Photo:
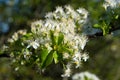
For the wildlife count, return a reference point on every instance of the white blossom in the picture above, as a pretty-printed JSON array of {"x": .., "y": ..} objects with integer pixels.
[
  {"x": 83, "y": 12},
  {"x": 85, "y": 57},
  {"x": 84, "y": 75},
  {"x": 17, "y": 68},
  {"x": 69, "y": 9},
  {"x": 63, "y": 21},
  {"x": 83, "y": 41},
  {"x": 17, "y": 35},
  {"x": 66, "y": 55},
  {"x": 49, "y": 48},
  {"x": 77, "y": 59},
  {"x": 34, "y": 44},
  {"x": 27, "y": 54},
  {"x": 49, "y": 15},
  {"x": 60, "y": 32},
  {"x": 111, "y": 3},
  {"x": 67, "y": 71},
  {"x": 59, "y": 10}
]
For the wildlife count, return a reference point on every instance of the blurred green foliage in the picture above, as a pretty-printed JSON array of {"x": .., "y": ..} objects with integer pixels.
[{"x": 104, "y": 58}]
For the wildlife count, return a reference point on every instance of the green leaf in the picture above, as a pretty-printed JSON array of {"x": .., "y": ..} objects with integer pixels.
[
  {"x": 48, "y": 60},
  {"x": 117, "y": 16},
  {"x": 55, "y": 56},
  {"x": 86, "y": 78},
  {"x": 43, "y": 58},
  {"x": 60, "y": 38},
  {"x": 53, "y": 38},
  {"x": 96, "y": 26},
  {"x": 65, "y": 49},
  {"x": 43, "y": 55},
  {"x": 105, "y": 27},
  {"x": 27, "y": 36}
]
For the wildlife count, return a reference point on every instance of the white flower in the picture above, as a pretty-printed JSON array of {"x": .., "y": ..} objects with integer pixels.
[
  {"x": 67, "y": 71},
  {"x": 10, "y": 40},
  {"x": 66, "y": 55},
  {"x": 84, "y": 15},
  {"x": 22, "y": 32},
  {"x": 50, "y": 24},
  {"x": 17, "y": 68},
  {"x": 84, "y": 75},
  {"x": 85, "y": 57},
  {"x": 83, "y": 12},
  {"x": 69, "y": 9},
  {"x": 111, "y": 3},
  {"x": 17, "y": 35},
  {"x": 106, "y": 5},
  {"x": 77, "y": 59},
  {"x": 36, "y": 25},
  {"x": 49, "y": 48},
  {"x": 27, "y": 54},
  {"x": 83, "y": 41},
  {"x": 59, "y": 10},
  {"x": 22, "y": 62},
  {"x": 49, "y": 15},
  {"x": 34, "y": 44}
]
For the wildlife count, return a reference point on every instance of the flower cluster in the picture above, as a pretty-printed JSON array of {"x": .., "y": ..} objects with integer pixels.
[
  {"x": 68, "y": 22},
  {"x": 84, "y": 76},
  {"x": 111, "y": 3},
  {"x": 59, "y": 37},
  {"x": 17, "y": 35}
]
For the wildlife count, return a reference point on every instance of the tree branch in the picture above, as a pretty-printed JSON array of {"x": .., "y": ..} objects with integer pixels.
[
  {"x": 101, "y": 33},
  {"x": 4, "y": 55}
]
